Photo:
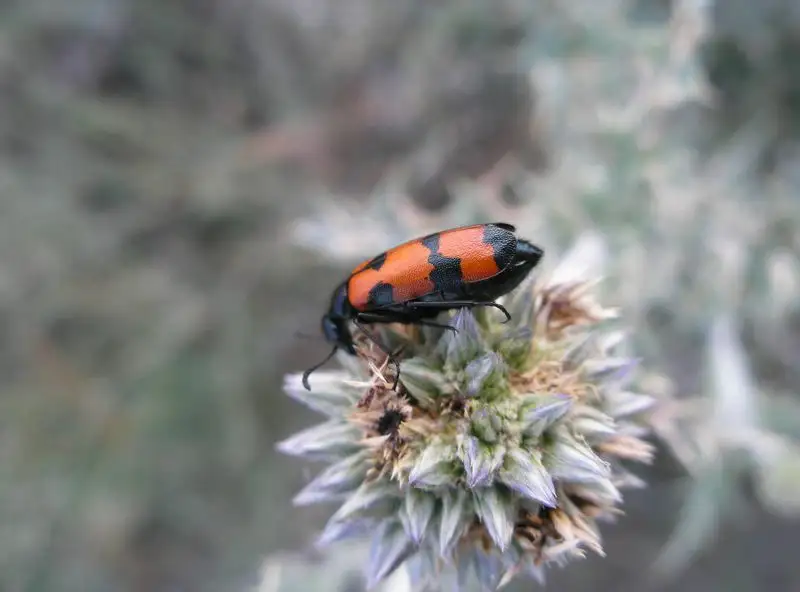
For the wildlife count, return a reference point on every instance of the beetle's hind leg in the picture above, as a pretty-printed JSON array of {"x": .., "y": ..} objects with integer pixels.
[
  {"x": 437, "y": 325},
  {"x": 406, "y": 318},
  {"x": 447, "y": 305}
]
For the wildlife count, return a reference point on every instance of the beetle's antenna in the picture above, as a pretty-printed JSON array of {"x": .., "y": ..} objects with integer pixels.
[{"x": 308, "y": 372}]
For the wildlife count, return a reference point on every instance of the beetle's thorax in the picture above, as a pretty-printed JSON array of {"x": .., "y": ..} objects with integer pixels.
[{"x": 340, "y": 306}]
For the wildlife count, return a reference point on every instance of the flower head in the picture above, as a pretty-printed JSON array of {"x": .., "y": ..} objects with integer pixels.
[{"x": 500, "y": 449}]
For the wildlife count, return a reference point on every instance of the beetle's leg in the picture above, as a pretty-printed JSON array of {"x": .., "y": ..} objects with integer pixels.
[
  {"x": 395, "y": 317},
  {"x": 459, "y": 303},
  {"x": 437, "y": 325},
  {"x": 369, "y": 317}
]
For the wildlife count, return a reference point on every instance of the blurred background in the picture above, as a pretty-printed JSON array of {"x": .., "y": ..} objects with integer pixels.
[{"x": 184, "y": 181}]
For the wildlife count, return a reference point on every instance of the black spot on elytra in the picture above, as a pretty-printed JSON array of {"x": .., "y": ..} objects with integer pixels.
[
  {"x": 431, "y": 242},
  {"x": 503, "y": 245},
  {"x": 381, "y": 294},
  {"x": 377, "y": 262},
  {"x": 446, "y": 275},
  {"x": 389, "y": 422}
]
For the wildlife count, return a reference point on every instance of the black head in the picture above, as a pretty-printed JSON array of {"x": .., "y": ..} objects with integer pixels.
[
  {"x": 336, "y": 328},
  {"x": 336, "y": 322}
]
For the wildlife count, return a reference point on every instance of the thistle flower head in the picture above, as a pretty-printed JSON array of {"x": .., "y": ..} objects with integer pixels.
[{"x": 497, "y": 454}]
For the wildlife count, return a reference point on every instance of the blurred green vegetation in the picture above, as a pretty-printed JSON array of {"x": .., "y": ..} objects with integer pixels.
[{"x": 183, "y": 182}]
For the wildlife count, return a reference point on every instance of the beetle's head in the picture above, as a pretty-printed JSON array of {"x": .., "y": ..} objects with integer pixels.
[
  {"x": 336, "y": 331},
  {"x": 336, "y": 328},
  {"x": 336, "y": 322}
]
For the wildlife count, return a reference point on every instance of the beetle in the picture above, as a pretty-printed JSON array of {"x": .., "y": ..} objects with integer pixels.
[{"x": 414, "y": 282}]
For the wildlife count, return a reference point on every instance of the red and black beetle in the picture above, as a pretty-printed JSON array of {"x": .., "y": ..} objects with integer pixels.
[{"x": 413, "y": 282}]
